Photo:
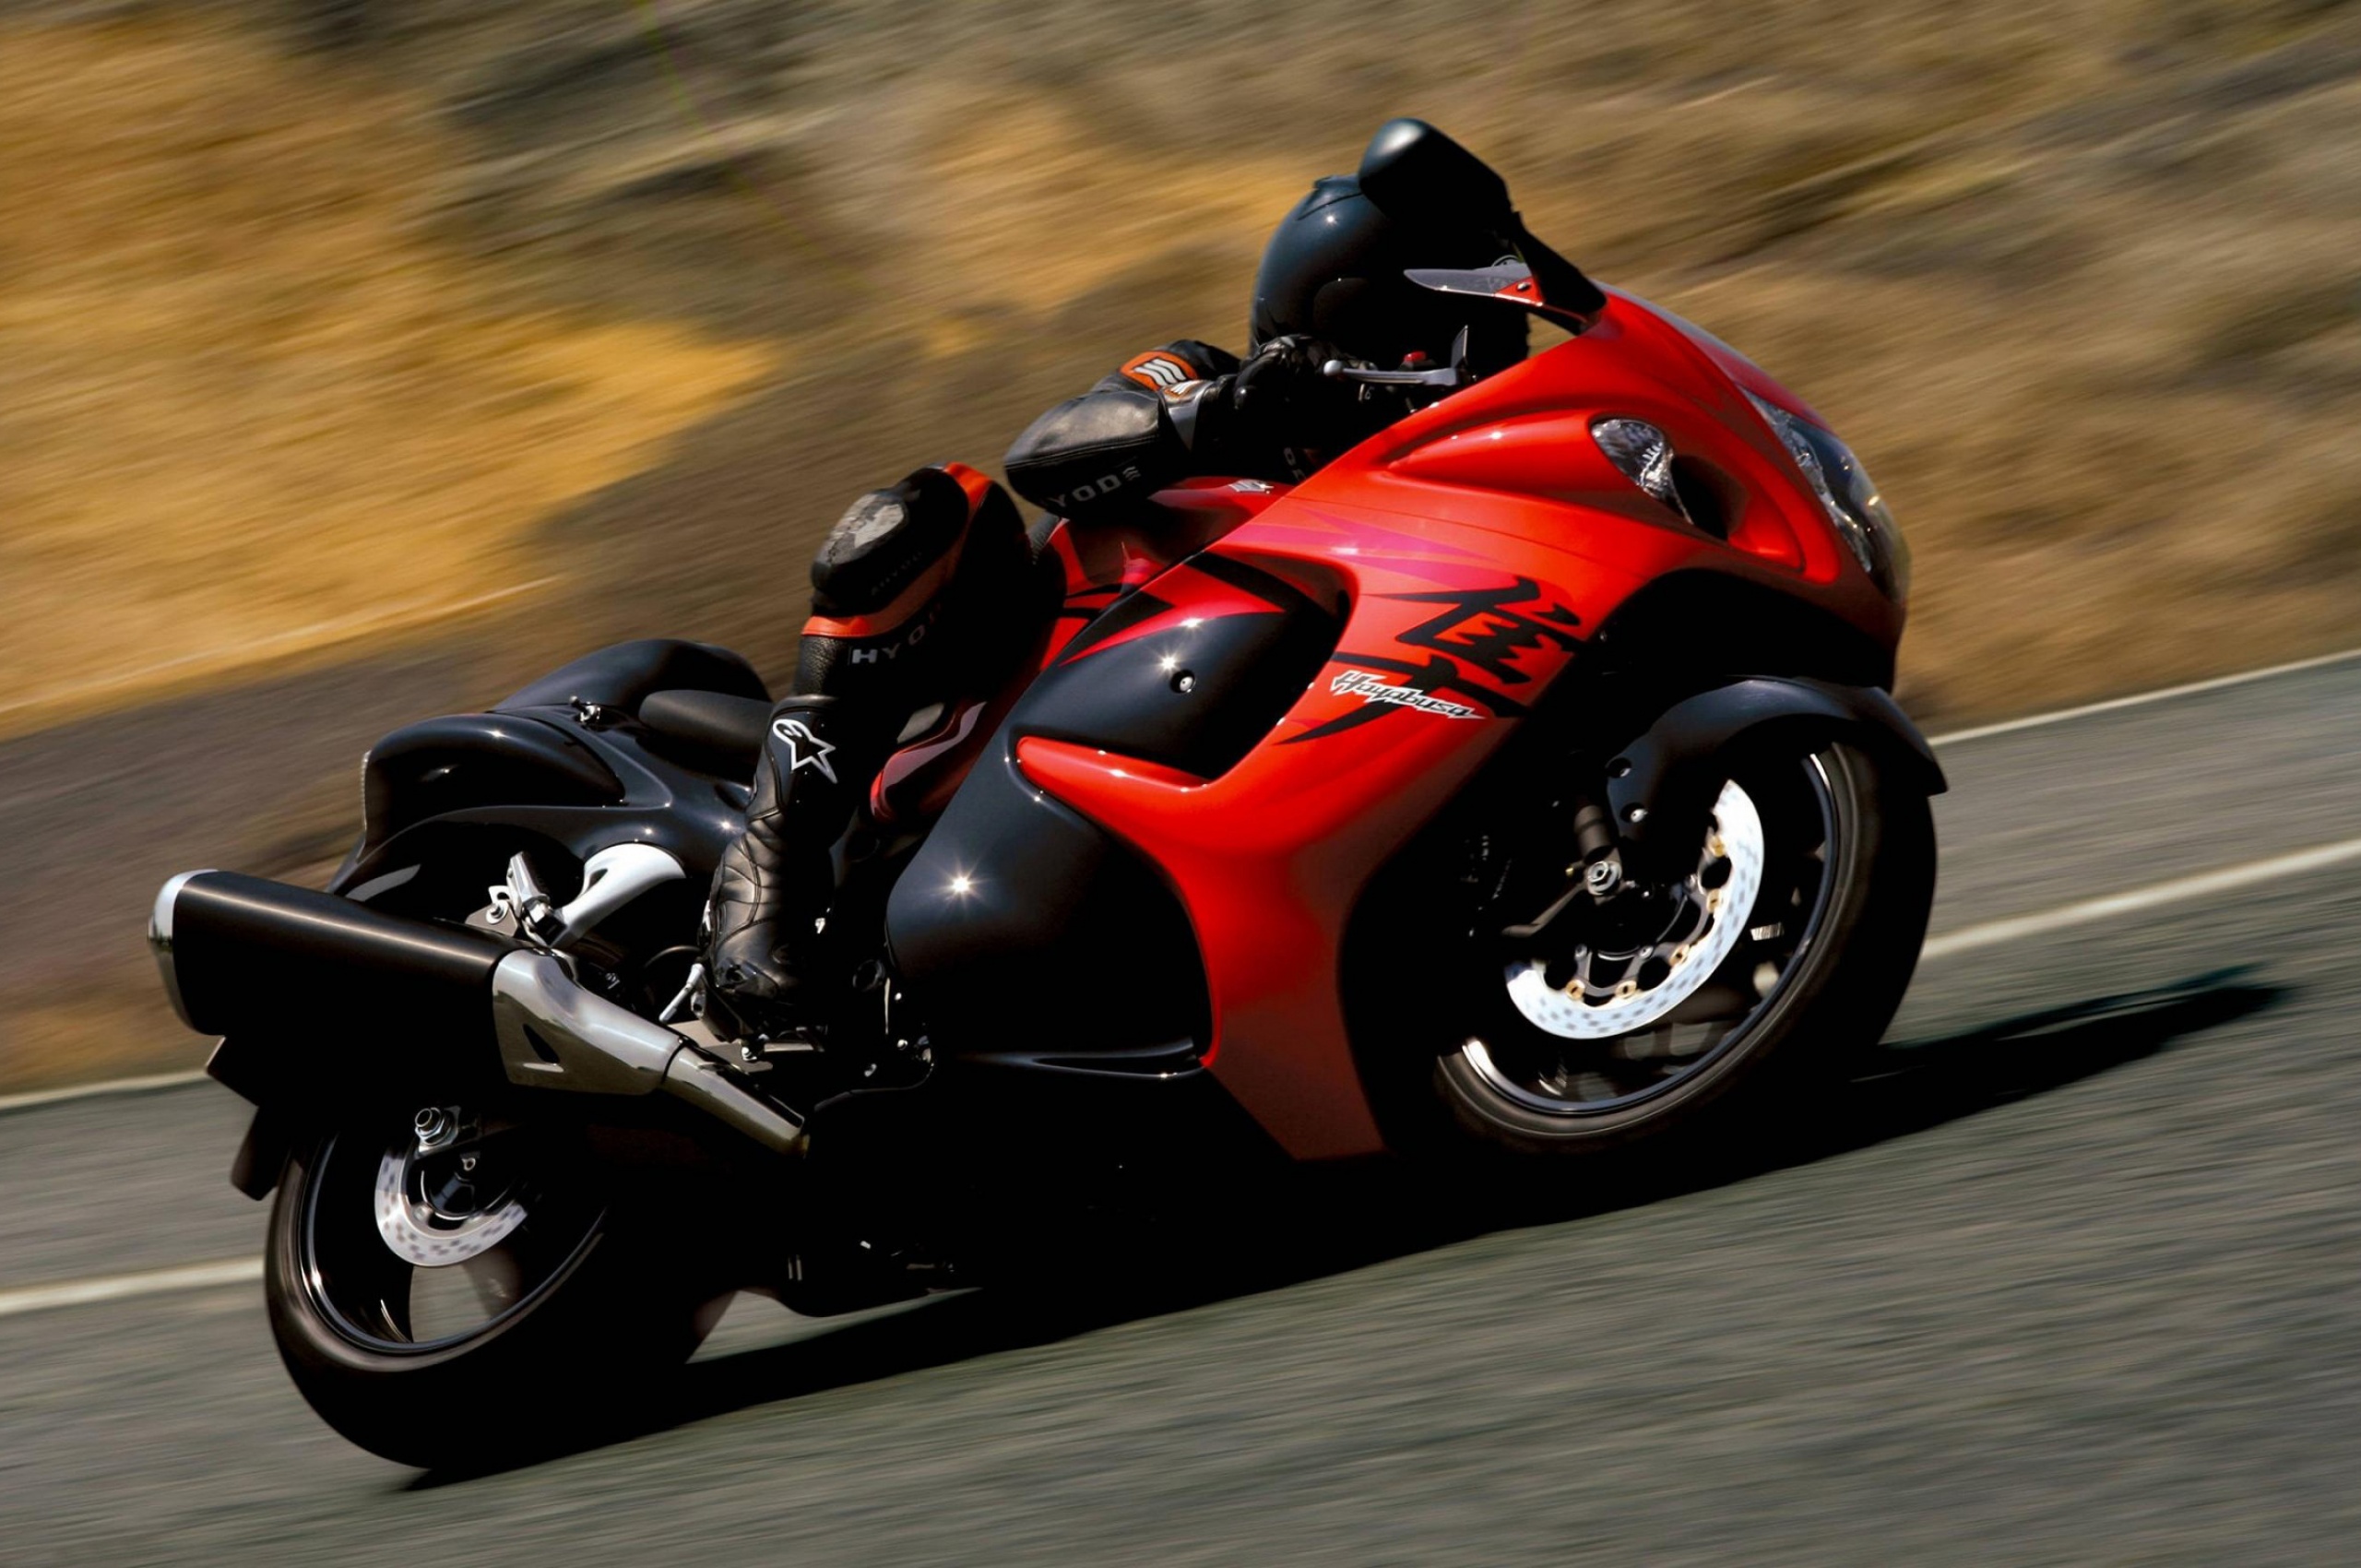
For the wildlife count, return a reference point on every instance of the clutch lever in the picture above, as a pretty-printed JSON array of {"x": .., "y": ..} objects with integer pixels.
[
  {"x": 1454, "y": 374},
  {"x": 1441, "y": 376}
]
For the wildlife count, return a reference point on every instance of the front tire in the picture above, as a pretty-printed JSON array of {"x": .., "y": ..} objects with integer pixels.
[
  {"x": 578, "y": 1304},
  {"x": 1810, "y": 978}
]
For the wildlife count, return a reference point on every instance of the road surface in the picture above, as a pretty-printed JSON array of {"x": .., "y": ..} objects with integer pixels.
[{"x": 2080, "y": 1278}]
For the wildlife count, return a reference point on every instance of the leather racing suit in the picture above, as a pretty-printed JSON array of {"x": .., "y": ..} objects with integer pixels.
[{"x": 925, "y": 593}]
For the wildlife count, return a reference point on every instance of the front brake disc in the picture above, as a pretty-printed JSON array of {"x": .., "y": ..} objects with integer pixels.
[{"x": 1582, "y": 1010}]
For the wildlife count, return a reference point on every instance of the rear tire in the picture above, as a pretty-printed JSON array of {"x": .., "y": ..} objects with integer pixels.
[
  {"x": 573, "y": 1356},
  {"x": 1832, "y": 1001}
]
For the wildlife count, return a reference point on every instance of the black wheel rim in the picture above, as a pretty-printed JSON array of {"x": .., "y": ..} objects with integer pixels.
[
  {"x": 382, "y": 1302},
  {"x": 1555, "y": 1077}
]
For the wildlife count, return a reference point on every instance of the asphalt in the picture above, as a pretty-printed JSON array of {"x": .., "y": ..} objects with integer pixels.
[{"x": 2073, "y": 1277}]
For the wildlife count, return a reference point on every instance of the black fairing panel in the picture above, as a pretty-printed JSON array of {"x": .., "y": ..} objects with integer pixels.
[
  {"x": 1192, "y": 698},
  {"x": 440, "y": 765},
  {"x": 1027, "y": 933},
  {"x": 1024, "y": 930},
  {"x": 517, "y": 778},
  {"x": 540, "y": 768}
]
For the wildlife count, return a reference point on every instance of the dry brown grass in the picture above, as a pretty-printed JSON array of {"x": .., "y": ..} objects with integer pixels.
[
  {"x": 2076, "y": 277},
  {"x": 249, "y": 406}
]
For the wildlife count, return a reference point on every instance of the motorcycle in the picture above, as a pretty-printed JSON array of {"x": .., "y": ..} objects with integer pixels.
[{"x": 1521, "y": 788}]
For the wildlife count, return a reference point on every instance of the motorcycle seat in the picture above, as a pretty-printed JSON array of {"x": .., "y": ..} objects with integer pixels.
[
  {"x": 716, "y": 731},
  {"x": 624, "y": 675}
]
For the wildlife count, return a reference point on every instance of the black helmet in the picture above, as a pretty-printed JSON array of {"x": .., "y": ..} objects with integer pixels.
[{"x": 1334, "y": 269}]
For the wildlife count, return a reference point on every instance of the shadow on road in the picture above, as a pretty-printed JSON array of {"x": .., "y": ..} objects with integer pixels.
[
  {"x": 1908, "y": 1086},
  {"x": 1902, "y": 1088}
]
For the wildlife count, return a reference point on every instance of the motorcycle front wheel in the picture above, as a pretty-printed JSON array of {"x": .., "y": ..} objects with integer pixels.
[
  {"x": 450, "y": 1292},
  {"x": 1785, "y": 950}
]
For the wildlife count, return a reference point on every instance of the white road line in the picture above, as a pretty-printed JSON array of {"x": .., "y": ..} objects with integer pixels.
[
  {"x": 105, "y": 1086},
  {"x": 2139, "y": 699},
  {"x": 1992, "y": 933},
  {"x": 122, "y": 1287}
]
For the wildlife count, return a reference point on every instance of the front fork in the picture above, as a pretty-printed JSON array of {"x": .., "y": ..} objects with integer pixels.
[{"x": 1596, "y": 873}]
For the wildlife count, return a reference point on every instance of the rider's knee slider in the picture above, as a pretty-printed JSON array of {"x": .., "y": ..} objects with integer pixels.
[
  {"x": 906, "y": 568},
  {"x": 889, "y": 549}
]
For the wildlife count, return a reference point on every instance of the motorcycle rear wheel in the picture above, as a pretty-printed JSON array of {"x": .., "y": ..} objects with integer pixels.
[
  {"x": 366, "y": 1275},
  {"x": 1847, "y": 897}
]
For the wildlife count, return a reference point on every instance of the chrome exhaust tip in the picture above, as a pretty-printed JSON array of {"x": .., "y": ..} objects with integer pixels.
[{"x": 160, "y": 941}]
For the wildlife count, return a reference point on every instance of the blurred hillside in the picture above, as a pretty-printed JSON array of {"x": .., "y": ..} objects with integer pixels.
[{"x": 349, "y": 346}]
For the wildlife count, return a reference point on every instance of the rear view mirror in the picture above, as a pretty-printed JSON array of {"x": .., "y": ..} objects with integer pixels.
[
  {"x": 1415, "y": 173},
  {"x": 1418, "y": 176},
  {"x": 1513, "y": 283}
]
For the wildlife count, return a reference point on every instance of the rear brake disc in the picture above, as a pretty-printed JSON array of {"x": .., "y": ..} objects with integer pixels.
[{"x": 425, "y": 1236}]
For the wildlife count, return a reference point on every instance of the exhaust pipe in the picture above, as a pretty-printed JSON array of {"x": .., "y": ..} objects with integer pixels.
[
  {"x": 554, "y": 1034},
  {"x": 240, "y": 955}
]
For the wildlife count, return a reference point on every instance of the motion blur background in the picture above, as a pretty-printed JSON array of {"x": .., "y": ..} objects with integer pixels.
[{"x": 358, "y": 359}]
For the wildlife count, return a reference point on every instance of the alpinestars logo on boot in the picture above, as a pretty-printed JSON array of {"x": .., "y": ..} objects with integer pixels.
[{"x": 803, "y": 748}]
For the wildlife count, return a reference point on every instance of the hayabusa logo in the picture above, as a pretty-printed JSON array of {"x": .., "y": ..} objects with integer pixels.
[
  {"x": 1477, "y": 625},
  {"x": 1370, "y": 687},
  {"x": 1415, "y": 693}
]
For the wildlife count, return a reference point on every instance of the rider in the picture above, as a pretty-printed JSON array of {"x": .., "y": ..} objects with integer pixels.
[{"x": 919, "y": 591}]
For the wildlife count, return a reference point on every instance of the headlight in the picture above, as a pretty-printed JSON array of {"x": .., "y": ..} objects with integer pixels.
[{"x": 1846, "y": 491}]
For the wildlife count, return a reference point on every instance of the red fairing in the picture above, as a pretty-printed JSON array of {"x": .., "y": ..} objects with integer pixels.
[
  {"x": 1109, "y": 559},
  {"x": 1477, "y": 545},
  {"x": 1269, "y": 858}
]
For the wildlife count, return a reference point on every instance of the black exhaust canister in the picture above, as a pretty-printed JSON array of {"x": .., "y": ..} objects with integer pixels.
[{"x": 244, "y": 955}]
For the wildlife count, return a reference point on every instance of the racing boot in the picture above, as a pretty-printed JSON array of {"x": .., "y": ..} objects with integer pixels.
[{"x": 766, "y": 967}]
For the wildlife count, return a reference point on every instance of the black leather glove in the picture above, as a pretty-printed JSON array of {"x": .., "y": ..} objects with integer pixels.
[
  {"x": 1283, "y": 376},
  {"x": 1284, "y": 405}
]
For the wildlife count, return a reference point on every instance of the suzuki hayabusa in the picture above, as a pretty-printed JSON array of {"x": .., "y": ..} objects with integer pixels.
[{"x": 1521, "y": 787}]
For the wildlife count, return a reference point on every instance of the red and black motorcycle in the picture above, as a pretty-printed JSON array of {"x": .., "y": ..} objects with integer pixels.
[{"x": 1524, "y": 784}]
